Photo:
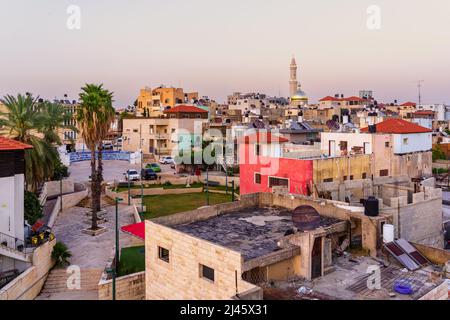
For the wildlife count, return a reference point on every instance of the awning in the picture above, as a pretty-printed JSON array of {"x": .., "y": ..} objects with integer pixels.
[{"x": 136, "y": 229}]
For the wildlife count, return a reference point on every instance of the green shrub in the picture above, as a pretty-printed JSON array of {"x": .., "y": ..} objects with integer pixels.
[
  {"x": 438, "y": 154},
  {"x": 60, "y": 171},
  {"x": 61, "y": 254},
  {"x": 33, "y": 209}
]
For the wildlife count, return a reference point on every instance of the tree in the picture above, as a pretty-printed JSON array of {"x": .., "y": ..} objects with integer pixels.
[
  {"x": 61, "y": 254},
  {"x": 25, "y": 121},
  {"x": 55, "y": 117},
  {"x": 32, "y": 207},
  {"x": 94, "y": 116},
  {"x": 438, "y": 154}
]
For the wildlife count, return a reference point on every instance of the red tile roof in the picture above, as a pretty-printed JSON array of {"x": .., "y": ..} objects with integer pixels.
[
  {"x": 262, "y": 137},
  {"x": 408, "y": 104},
  {"x": 330, "y": 98},
  {"x": 424, "y": 113},
  {"x": 10, "y": 144},
  {"x": 186, "y": 109},
  {"x": 394, "y": 125}
]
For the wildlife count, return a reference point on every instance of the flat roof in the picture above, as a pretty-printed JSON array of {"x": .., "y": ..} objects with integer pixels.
[{"x": 254, "y": 231}]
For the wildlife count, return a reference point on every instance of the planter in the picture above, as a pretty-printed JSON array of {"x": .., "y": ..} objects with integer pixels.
[{"x": 94, "y": 233}]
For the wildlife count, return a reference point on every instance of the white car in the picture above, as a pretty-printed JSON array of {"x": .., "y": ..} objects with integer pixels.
[
  {"x": 132, "y": 175},
  {"x": 167, "y": 160}
]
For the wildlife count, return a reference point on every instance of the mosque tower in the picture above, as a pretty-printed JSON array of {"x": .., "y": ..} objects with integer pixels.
[{"x": 293, "y": 83}]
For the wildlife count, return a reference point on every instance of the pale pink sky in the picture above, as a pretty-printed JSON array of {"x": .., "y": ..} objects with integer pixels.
[{"x": 217, "y": 47}]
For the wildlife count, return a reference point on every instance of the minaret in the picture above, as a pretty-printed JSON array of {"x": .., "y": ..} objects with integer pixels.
[{"x": 293, "y": 83}]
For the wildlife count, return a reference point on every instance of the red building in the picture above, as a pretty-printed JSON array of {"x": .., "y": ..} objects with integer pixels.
[{"x": 262, "y": 168}]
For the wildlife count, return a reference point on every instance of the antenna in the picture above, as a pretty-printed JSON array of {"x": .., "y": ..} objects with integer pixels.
[{"x": 419, "y": 87}]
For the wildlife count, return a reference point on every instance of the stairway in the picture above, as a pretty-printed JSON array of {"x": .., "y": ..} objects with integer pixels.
[{"x": 55, "y": 287}]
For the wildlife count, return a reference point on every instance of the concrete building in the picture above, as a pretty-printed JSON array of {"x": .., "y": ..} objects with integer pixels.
[
  {"x": 12, "y": 180},
  {"x": 155, "y": 101},
  {"x": 235, "y": 250},
  {"x": 263, "y": 167},
  {"x": 396, "y": 147},
  {"x": 161, "y": 135}
]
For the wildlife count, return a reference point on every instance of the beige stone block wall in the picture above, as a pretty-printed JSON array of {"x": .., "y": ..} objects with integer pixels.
[
  {"x": 180, "y": 278},
  {"x": 129, "y": 287}
]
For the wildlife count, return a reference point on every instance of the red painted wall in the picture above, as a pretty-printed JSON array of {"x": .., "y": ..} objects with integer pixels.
[{"x": 299, "y": 172}]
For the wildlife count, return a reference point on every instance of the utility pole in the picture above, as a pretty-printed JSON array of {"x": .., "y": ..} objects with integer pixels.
[
  {"x": 116, "y": 260},
  {"x": 207, "y": 184},
  {"x": 419, "y": 87},
  {"x": 142, "y": 185}
]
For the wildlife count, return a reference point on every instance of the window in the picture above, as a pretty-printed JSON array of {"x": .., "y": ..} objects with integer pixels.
[
  {"x": 364, "y": 175},
  {"x": 257, "y": 150},
  {"x": 163, "y": 254},
  {"x": 405, "y": 140},
  {"x": 278, "y": 182},
  {"x": 258, "y": 178},
  {"x": 384, "y": 173},
  {"x": 386, "y": 144},
  {"x": 206, "y": 273},
  {"x": 173, "y": 130},
  {"x": 328, "y": 180},
  {"x": 135, "y": 130},
  {"x": 351, "y": 177},
  {"x": 345, "y": 178}
]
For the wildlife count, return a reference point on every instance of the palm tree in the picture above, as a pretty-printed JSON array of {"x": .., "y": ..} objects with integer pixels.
[
  {"x": 94, "y": 117},
  {"x": 55, "y": 117},
  {"x": 24, "y": 121}
]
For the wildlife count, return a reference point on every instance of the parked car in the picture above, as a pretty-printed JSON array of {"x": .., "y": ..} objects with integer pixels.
[
  {"x": 154, "y": 166},
  {"x": 108, "y": 146},
  {"x": 149, "y": 174},
  {"x": 167, "y": 160},
  {"x": 133, "y": 175}
]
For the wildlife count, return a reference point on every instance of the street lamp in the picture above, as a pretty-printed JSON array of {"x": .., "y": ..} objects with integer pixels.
[
  {"x": 142, "y": 188},
  {"x": 116, "y": 260},
  {"x": 129, "y": 191},
  {"x": 207, "y": 185}
]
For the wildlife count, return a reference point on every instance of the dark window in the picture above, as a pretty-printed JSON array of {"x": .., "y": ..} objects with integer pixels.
[
  {"x": 278, "y": 182},
  {"x": 345, "y": 178},
  {"x": 207, "y": 272},
  {"x": 384, "y": 173},
  {"x": 351, "y": 177},
  {"x": 364, "y": 175},
  {"x": 163, "y": 254},
  {"x": 328, "y": 180},
  {"x": 135, "y": 130},
  {"x": 257, "y": 149},
  {"x": 258, "y": 178},
  {"x": 386, "y": 144}
]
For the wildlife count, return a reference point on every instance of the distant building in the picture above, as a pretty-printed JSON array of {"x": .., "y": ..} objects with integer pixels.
[
  {"x": 160, "y": 135},
  {"x": 153, "y": 102}
]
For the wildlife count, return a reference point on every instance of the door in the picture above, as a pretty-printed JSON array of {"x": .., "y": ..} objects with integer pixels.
[
  {"x": 331, "y": 148},
  {"x": 316, "y": 259}
]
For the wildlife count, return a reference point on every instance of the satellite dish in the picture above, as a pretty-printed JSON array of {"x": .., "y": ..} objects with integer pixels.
[{"x": 306, "y": 218}]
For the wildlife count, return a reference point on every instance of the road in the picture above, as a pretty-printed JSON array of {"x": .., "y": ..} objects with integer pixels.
[{"x": 112, "y": 170}]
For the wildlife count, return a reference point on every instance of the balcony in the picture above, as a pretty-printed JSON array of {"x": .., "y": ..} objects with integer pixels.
[{"x": 159, "y": 136}]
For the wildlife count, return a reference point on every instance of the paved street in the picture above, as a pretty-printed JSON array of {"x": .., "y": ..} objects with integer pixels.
[
  {"x": 89, "y": 253},
  {"x": 113, "y": 170}
]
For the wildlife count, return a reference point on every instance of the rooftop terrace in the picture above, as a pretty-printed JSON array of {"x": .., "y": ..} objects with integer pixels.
[{"x": 252, "y": 231}]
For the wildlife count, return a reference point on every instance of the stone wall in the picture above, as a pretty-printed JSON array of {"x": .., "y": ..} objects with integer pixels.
[
  {"x": 180, "y": 277},
  {"x": 28, "y": 284},
  {"x": 68, "y": 201},
  {"x": 129, "y": 287},
  {"x": 53, "y": 187}
]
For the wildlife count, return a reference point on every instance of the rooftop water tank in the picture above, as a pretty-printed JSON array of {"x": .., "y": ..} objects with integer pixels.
[{"x": 371, "y": 207}]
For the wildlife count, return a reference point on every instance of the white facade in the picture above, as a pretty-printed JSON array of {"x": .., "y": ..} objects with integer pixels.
[
  {"x": 12, "y": 206},
  {"x": 332, "y": 143},
  {"x": 412, "y": 142}
]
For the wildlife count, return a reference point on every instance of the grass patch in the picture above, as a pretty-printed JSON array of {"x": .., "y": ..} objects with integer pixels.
[
  {"x": 132, "y": 260},
  {"x": 176, "y": 186},
  {"x": 163, "y": 205}
]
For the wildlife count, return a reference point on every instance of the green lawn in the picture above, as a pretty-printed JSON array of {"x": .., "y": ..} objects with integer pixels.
[
  {"x": 163, "y": 205},
  {"x": 132, "y": 260},
  {"x": 177, "y": 186}
]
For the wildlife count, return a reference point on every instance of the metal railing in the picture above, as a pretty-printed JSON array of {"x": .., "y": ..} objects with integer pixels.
[{"x": 12, "y": 242}]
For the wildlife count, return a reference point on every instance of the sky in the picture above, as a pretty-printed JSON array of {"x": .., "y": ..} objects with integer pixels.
[{"x": 218, "y": 47}]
